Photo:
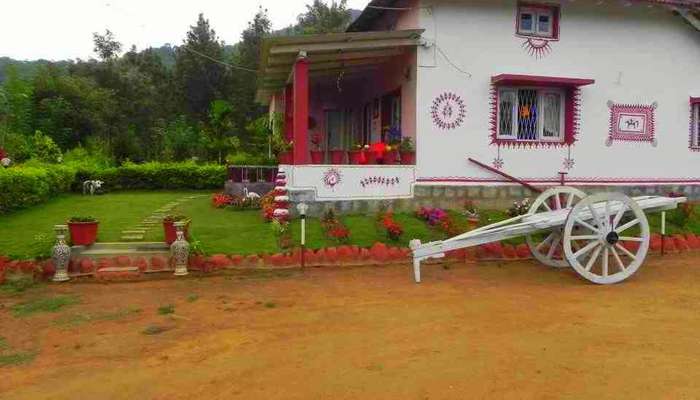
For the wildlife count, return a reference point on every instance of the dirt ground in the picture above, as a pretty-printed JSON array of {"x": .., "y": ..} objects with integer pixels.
[{"x": 515, "y": 330}]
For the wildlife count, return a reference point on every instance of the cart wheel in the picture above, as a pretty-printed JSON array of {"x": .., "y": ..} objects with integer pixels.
[
  {"x": 545, "y": 249},
  {"x": 606, "y": 237}
]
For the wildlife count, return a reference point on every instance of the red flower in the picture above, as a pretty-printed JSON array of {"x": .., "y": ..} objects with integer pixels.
[{"x": 220, "y": 200}]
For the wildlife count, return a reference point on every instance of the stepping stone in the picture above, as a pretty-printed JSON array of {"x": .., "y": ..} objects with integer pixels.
[
  {"x": 134, "y": 232},
  {"x": 133, "y": 237}
]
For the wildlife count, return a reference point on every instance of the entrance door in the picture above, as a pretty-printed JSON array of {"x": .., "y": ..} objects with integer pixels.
[{"x": 334, "y": 130}]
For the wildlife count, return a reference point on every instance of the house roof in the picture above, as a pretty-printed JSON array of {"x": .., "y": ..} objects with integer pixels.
[
  {"x": 376, "y": 8},
  {"x": 328, "y": 54}
]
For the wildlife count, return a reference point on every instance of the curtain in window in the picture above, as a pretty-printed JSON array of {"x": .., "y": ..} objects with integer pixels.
[
  {"x": 551, "y": 113},
  {"x": 527, "y": 114}
]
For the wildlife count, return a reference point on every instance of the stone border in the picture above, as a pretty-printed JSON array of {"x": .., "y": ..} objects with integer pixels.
[{"x": 138, "y": 267}]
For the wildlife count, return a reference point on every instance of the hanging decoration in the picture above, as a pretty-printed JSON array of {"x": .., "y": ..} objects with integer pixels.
[
  {"x": 332, "y": 178},
  {"x": 537, "y": 47},
  {"x": 568, "y": 161},
  {"x": 448, "y": 111},
  {"x": 498, "y": 161},
  {"x": 632, "y": 123}
]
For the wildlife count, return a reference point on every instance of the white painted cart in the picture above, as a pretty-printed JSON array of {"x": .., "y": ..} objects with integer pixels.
[{"x": 564, "y": 227}]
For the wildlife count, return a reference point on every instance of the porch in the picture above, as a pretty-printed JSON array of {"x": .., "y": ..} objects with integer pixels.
[{"x": 346, "y": 99}]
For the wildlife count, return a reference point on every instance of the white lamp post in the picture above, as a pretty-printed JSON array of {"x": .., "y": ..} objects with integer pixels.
[{"x": 302, "y": 208}]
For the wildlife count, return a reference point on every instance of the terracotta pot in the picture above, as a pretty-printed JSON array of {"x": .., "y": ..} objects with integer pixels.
[
  {"x": 390, "y": 157},
  {"x": 338, "y": 156},
  {"x": 356, "y": 157},
  {"x": 316, "y": 157},
  {"x": 171, "y": 233},
  {"x": 83, "y": 233},
  {"x": 473, "y": 223},
  {"x": 408, "y": 157},
  {"x": 285, "y": 157},
  {"x": 371, "y": 157}
]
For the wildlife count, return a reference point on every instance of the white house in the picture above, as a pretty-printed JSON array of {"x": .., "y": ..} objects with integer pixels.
[{"x": 494, "y": 94}]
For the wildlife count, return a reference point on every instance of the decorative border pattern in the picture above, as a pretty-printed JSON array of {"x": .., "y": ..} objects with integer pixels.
[
  {"x": 694, "y": 137},
  {"x": 379, "y": 181},
  {"x": 448, "y": 111},
  {"x": 634, "y": 114},
  {"x": 572, "y": 116},
  {"x": 556, "y": 180}
]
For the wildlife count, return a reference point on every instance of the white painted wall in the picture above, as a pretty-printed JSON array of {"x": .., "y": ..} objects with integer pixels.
[
  {"x": 636, "y": 54},
  {"x": 353, "y": 182}
]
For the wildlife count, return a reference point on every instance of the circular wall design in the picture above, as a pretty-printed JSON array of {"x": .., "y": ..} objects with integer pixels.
[{"x": 448, "y": 111}]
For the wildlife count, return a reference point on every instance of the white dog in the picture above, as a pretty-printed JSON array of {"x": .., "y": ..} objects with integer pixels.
[{"x": 91, "y": 187}]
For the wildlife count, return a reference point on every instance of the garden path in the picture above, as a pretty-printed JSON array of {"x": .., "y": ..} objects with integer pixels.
[{"x": 137, "y": 232}]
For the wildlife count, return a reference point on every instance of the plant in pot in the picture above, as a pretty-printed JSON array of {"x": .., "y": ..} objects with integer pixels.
[
  {"x": 83, "y": 230},
  {"x": 407, "y": 151},
  {"x": 317, "y": 154},
  {"x": 358, "y": 154},
  {"x": 391, "y": 154},
  {"x": 283, "y": 148},
  {"x": 472, "y": 214},
  {"x": 169, "y": 227}
]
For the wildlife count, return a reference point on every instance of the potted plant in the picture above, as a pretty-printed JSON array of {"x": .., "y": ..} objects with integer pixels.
[
  {"x": 83, "y": 230},
  {"x": 169, "y": 227},
  {"x": 358, "y": 155},
  {"x": 317, "y": 154},
  {"x": 391, "y": 154},
  {"x": 283, "y": 149},
  {"x": 472, "y": 214},
  {"x": 407, "y": 152}
]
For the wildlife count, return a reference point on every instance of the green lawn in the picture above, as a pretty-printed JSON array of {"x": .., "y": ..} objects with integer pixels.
[{"x": 28, "y": 233}]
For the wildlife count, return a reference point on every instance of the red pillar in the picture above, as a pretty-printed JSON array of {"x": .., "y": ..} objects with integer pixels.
[
  {"x": 301, "y": 110},
  {"x": 288, "y": 114}
]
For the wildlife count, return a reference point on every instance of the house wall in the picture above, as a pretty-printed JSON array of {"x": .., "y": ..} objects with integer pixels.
[{"x": 636, "y": 54}]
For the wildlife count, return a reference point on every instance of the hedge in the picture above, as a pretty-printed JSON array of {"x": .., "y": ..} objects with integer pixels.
[
  {"x": 157, "y": 176},
  {"x": 22, "y": 187}
]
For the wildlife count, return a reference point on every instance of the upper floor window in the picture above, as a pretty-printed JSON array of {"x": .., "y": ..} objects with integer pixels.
[
  {"x": 695, "y": 123},
  {"x": 538, "y": 20},
  {"x": 531, "y": 114}
]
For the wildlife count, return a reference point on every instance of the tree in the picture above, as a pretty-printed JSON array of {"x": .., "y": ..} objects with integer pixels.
[
  {"x": 245, "y": 82},
  {"x": 106, "y": 46},
  {"x": 199, "y": 74},
  {"x": 219, "y": 129},
  {"x": 322, "y": 18}
]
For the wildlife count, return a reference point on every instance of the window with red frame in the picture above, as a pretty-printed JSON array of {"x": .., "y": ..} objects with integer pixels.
[
  {"x": 538, "y": 20},
  {"x": 531, "y": 114},
  {"x": 695, "y": 123}
]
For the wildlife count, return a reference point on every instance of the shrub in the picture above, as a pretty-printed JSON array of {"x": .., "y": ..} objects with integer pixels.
[
  {"x": 155, "y": 175},
  {"x": 22, "y": 186},
  {"x": 46, "y": 150}
]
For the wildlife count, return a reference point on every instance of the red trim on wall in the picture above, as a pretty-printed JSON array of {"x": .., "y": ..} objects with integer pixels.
[
  {"x": 694, "y": 137},
  {"x": 555, "y": 180},
  {"x": 534, "y": 80}
]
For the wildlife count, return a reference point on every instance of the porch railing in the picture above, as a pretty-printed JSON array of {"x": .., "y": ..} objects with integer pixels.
[{"x": 252, "y": 173}]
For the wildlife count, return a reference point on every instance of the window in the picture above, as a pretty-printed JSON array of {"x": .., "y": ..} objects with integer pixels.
[
  {"x": 695, "y": 124},
  {"x": 531, "y": 114},
  {"x": 536, "y": 20}
]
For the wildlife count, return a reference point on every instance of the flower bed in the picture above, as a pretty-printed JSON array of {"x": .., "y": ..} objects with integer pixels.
[
  {"x": 333, "y": 228},
  {"x": 439, "y": 219},
  {"x": 393, "y": 229}
]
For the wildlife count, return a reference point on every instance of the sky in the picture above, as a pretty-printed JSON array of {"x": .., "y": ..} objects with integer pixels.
[{"x": 62, "y": 29}]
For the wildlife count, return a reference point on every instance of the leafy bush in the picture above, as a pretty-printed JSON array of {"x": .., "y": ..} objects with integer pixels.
[
  {"x": 46, "y": 150},
  {"x": 24, "y": 186},
  {"x": 155, "y": 175}
]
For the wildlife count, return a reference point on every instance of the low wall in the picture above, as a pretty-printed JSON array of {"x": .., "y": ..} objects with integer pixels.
[{"x": 453, "y": 197}]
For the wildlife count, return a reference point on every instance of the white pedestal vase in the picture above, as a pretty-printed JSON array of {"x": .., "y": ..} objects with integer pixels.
[
  {"x": 61, "y": 254},
  {"x": 180, "y": 250}
]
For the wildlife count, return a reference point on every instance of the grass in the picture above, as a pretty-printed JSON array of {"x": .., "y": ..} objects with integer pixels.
[
  {"x": 43, "y": 305},
  {"x": 222, "y": 230},
  {"x": 192, "y": 298},
  {"x": 167, "y": 309},
  {"x": 3, "y": 343},
  {"x": 79, "y": 319},
  {"x": 18, "y": 283},
  {"x": 20, "y": 231},
  {"x": 8, "y": 360}
]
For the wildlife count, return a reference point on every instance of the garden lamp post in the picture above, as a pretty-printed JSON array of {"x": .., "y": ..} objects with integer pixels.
[{"x": 302, "y": 208}]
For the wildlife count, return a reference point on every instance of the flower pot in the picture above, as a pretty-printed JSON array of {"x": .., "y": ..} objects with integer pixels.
[
  {"x": 390, "y": 157},
  {"x": 371, "y": 157},
  {"x": 338, "y": 156},
  {"x": 473, "y": 223},
  {"x": 171, "y": 232},
  {"x": 285, "y": 157},
  {"x": 316, "y": 157},
  {"x": 356, "y": 157},
  {"x": 83, "y": 233},
  {"x": 408, "y": 157}
]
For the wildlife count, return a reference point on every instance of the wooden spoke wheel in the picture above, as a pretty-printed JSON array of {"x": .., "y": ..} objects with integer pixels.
[
  {"x": 606, "y": 237},
  {"x": 547, "y": 247}
]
